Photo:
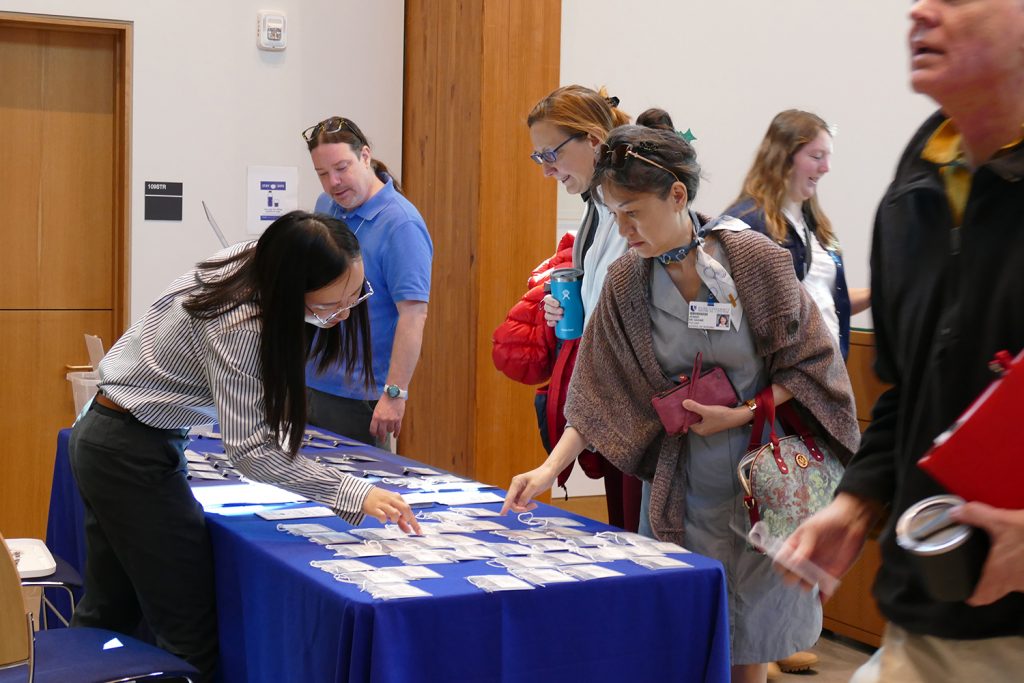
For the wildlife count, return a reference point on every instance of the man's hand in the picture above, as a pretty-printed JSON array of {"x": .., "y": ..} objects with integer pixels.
[
  {"x": 1004, "y": 569},
  {"x": 387, "y": 417},
  {"x": 832, "y": 539}
]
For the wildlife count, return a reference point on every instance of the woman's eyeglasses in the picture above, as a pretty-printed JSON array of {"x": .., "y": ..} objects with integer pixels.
[
  {"x": 616, "y": 158},
  {"x": 367, "y": 293},
  {"x": 331, "y": 125},
  {"x": 550, "y": 156}
]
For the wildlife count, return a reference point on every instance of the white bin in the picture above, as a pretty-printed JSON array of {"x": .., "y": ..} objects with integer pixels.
[{"x": 83, "y": 387}]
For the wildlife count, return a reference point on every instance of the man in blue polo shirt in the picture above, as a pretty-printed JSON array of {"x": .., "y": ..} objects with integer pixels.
[{"x": 397, "y": 253}]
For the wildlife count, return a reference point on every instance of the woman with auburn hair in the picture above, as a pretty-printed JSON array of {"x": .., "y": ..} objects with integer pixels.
[
  {"x": 566, "y": 128},
  {"x": 780, "y": 200}
]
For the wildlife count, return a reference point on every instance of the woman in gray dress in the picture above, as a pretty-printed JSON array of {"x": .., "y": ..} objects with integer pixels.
[{"x": 660, "y": 305}]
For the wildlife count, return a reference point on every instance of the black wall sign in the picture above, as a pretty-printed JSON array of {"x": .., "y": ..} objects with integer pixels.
[{"x": 163, "y": 201}]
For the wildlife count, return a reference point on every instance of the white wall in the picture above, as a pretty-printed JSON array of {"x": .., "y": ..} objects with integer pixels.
[
  {"x": 206, "y": 104},
  {"x": 725, "y": 68}
]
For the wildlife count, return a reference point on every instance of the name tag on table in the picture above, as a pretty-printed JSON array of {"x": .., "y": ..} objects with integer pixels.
[
  {"x": 705, "y": 316},
  {"x": 296, "y": 513}
]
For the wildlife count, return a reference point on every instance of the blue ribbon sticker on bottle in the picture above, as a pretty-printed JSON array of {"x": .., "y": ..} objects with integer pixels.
[{"x": 566, "y": 289}]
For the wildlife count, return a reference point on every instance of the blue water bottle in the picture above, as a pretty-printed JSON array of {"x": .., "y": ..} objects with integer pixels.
[{"x": 565, "y": 288}]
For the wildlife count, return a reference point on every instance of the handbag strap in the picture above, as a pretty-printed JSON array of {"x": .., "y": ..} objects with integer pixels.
[
  {"x": 791, "y": 420},
  {"x": 765, "y": 413},
  {"x": 698, "y": 362}
]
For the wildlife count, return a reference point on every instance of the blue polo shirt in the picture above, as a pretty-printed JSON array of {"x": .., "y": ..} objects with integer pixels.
[{"x": 397, "y": 254}]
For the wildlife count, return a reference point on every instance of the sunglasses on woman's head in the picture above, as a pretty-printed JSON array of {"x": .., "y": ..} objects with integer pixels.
[
  {"x": 616, "y": 157},
  {"x": 331, "y": 125}
]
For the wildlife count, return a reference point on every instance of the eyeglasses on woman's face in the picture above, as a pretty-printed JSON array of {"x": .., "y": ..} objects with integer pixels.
[
  {"x": 616, "y": 157},
  {"x": 330, "y": 125},
  {"x": 318, "y": 310},
  {"x": 550, "y": 156}
]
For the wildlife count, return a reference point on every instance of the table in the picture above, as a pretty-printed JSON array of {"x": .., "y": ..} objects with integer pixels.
[{"x": 282, "y": 620}]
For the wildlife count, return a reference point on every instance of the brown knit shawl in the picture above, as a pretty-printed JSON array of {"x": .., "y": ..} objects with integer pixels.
[{"x": 617, "y": 373}]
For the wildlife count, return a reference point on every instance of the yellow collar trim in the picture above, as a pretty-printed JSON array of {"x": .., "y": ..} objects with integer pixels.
[{"x": 945, "y": 146}]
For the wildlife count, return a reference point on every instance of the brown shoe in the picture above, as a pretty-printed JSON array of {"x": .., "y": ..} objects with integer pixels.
[
  {"x": 798, "y": 661},
  {"x": 774, "y": 672}
]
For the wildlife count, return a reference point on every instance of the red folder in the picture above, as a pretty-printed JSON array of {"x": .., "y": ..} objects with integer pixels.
[{"x": 981, "y": 457}]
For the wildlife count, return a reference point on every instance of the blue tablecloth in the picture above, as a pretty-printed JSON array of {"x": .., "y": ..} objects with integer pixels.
[{"x": 283, "y": 620}]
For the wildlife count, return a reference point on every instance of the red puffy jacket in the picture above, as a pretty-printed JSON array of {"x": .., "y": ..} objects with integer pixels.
[{"x": 524, "y": 345}]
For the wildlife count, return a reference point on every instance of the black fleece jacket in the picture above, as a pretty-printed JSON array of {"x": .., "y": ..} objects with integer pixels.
[{"x": 940, "y": 314}]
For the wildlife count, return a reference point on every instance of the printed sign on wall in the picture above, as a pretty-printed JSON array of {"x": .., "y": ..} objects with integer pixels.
[
  {"x": 163, "y": 201},
  {"x": 272, "y": 191}
]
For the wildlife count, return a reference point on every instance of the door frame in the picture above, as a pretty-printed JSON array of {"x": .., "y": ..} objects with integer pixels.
[{"x": 121, "y": 31}]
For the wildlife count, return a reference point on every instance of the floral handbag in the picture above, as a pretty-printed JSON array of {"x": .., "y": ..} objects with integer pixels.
[{"x": 788, "y": 479}]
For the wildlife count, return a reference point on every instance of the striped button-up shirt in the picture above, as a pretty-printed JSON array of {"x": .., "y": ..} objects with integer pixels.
[{"x": 171, "y": 370}]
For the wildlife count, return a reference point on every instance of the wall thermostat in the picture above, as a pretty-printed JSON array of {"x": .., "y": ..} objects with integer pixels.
[{"x": 271, "y": 30}]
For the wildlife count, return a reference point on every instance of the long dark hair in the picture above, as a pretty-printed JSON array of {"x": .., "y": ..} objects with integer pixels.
[
  {"x": 300, "y": 252},
  {"x": 350, "y": 134}
]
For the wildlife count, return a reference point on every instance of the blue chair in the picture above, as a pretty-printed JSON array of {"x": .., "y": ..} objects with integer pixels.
[
  {"x": 65, "y": 578},
  {"x": 73, "y": 655}
]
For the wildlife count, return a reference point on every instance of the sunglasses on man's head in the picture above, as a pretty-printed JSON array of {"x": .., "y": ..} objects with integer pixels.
[
  {"x": 616, "y": 157},
  {"x": 550, "y": 156},
  {"x": 331, "y": 125}
]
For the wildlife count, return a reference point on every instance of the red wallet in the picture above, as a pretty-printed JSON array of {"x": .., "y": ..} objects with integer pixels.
[
  {"x": 981, "y": 456},
  {"x": 711, "y": 388}
]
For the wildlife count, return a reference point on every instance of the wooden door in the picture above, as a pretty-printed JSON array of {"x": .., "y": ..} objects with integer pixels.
[{"x": 63, "y": 160}]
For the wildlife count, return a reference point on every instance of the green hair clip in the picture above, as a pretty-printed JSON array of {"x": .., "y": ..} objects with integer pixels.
[{"x": 688, "y": 135}]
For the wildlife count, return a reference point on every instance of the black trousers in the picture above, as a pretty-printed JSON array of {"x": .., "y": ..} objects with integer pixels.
[
  {"x": 346, "y": 416},
  {"x": 148, "y": 554}
]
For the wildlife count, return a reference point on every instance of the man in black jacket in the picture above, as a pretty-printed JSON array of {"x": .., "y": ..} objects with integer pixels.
[{"x": 947, "y": 286}]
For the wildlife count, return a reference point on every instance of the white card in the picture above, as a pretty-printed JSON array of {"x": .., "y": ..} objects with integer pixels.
[
  {"x": 664, "y": 547},
  {"x": 423, "y": 557},
  {"x": 556, "y": 521},
  {"x": 380, "y": 534},
  {"x": 342, "y": 566},
  {"x": 416, "y": 572},
  {"x": 478, "y": 512},
  {"x": 563, "y": 558},
  {"x": 333, "y": 538},
  {"x": 392, "y": 591},
  {"x": 585, "y": 572},
  {"x": 607, "y": 554},
  {"x": 296, "y": 513},
  {"x": 304, "y": 529},
  {"x": 499, "y": 582},
  {"x": 378, "y": 473},
  {"x": 660, "y": 562},
  {"x": 705, "y": 316},
  {"x": 356, "y": 551},
  {"x": 425, "y": 471},
  {"x": 542, "y": 577}
]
